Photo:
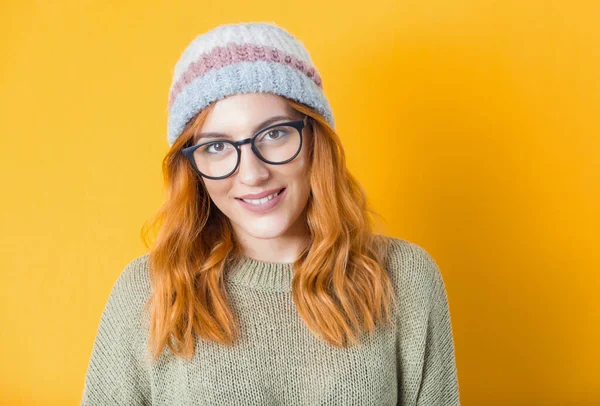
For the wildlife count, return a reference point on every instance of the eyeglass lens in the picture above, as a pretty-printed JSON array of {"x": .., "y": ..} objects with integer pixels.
[{"x": 276, "y": 145}]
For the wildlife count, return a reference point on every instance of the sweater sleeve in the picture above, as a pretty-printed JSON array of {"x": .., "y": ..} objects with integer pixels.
[
  {"x": 439, "y": 380},
  {"x": 426, "y": 364},
  {"x": 116, "y": 373}
]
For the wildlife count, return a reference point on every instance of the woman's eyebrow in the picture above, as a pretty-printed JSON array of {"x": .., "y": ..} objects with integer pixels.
[{"x": 258, "y": 127}]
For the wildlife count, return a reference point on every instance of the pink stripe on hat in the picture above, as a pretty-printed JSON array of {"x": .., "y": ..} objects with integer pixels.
[{"x": 219, "y": 57}]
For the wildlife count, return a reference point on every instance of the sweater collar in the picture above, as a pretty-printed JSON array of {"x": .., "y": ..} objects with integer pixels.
[{"x": 257, "y": 274}]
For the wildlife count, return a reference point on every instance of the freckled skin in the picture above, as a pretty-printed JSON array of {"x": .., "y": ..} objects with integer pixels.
[{"x": 279, "y": 235}]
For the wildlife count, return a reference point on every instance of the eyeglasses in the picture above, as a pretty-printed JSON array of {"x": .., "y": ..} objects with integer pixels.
[{"x": 275, "y": 145}]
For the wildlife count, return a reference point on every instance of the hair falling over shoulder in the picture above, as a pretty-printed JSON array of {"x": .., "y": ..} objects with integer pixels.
[{"x": 193, "y": 243}]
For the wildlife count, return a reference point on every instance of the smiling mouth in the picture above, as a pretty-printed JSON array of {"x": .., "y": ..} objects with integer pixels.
[{"x": 262, "y": 200}]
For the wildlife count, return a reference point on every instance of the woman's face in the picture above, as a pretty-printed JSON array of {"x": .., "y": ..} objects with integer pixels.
[{"x": 240, "y": 116}]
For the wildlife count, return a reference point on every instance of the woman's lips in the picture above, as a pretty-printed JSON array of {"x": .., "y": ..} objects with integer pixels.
[{"x": 265, "y": 207}]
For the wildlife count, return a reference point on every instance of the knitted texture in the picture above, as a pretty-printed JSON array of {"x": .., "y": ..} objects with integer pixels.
[
  {"x": 277, "y": 360},
  {"x": 242, "y": 58}
]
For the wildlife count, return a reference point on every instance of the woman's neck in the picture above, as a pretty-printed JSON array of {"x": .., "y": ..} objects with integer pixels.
[{"x": 285, "y": 248}]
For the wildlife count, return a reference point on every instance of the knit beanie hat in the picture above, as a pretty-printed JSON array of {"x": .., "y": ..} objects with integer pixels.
[{"x": 242, "y": 58}]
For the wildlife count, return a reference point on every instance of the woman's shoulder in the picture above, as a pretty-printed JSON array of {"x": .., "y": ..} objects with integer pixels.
[
  {"x": 135, "y": 272},
  {"x": 135, "y": 275},
  {"x": 411, "y": 267},
  {"x": 401, "y": 252},
  {"x": 131, "y": 290}
]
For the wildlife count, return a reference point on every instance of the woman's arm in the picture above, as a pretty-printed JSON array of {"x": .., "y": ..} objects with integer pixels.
[
  {"x": 439, "y": 380},
  {"x": 427, "y": 374},
  {"x": 116, "y": 373}
]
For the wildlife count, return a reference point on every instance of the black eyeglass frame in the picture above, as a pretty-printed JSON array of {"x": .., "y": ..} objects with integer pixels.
[{"x": 299, "y": 125}]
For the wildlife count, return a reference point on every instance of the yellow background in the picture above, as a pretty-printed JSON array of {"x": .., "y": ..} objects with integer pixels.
[{"x": 472, "y": 125}]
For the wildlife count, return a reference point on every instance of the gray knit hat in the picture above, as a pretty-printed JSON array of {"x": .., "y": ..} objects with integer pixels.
[{"x": 242, "y": 58}]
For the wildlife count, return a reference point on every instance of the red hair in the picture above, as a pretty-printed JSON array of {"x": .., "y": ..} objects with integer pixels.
[{"x": 340, "y": 285}]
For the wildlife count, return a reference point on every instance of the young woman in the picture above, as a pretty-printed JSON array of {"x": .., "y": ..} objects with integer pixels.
[{"x": 266, "y": 284}]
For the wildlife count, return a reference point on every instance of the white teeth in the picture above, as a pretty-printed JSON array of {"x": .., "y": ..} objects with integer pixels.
[{"x": 261, "y": 201}]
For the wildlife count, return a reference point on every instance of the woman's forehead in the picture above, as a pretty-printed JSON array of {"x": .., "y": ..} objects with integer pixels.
[
  {"x": 251, "y": 102},
  {"x": 242, "y": 111}
]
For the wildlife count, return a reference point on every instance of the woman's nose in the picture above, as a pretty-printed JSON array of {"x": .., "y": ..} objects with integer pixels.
[{"x": 251, "y": 167}]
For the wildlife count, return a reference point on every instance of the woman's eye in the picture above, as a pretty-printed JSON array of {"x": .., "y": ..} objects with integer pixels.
[
  {"x": 217, "y": 147},
  {"x": 274, "y": 134}
]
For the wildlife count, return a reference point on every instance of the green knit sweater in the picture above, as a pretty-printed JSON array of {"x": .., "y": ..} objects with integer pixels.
[{"x": 278, "y": 361}]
